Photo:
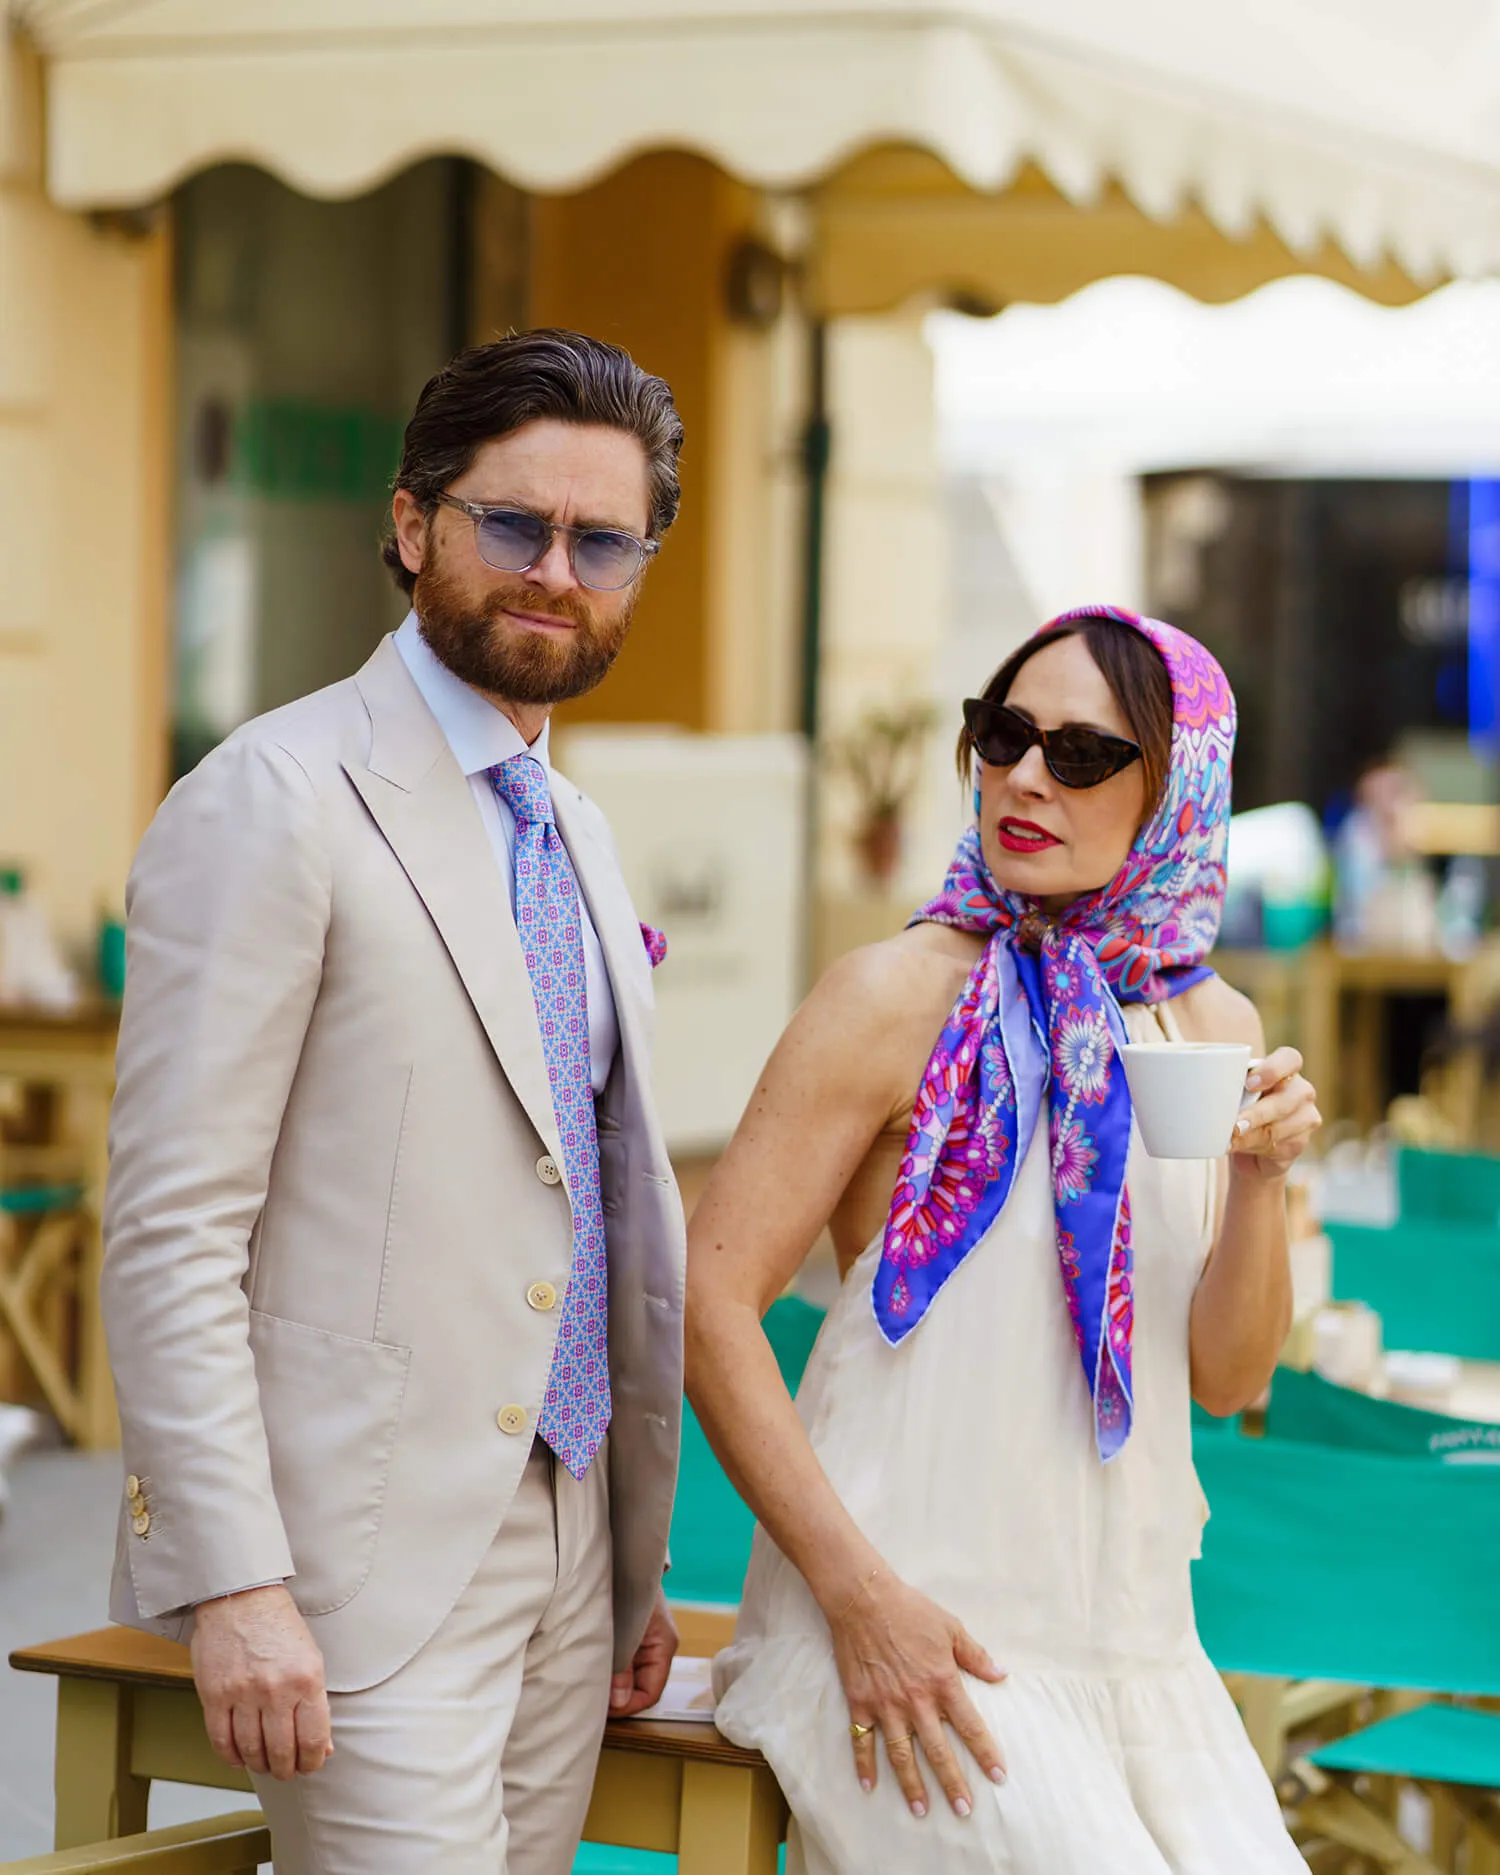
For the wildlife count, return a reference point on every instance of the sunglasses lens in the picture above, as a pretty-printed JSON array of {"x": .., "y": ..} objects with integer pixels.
[
  {"x": 1080, "y": 759},
  {"x": 1000, "y": 737},
  {"x": 606, "y": 560},
  {"x": 511, "y": 541}
]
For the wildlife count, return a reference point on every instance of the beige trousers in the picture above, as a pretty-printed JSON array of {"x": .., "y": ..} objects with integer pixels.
[{"x": 477, "y": 1757}]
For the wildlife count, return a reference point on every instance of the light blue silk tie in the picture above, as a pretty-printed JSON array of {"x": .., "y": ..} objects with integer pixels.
[{"x": 575, "y": 1414}]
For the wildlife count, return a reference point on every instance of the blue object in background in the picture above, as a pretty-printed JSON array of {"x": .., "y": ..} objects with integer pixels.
[
  {"x": 711, "y": 1531},
  {"x": 597, "y": 1858},
  {"x": 711, "y": 1525},
  {"x": 112, "y": 958},
  {"x": 1484, "y": 616}
]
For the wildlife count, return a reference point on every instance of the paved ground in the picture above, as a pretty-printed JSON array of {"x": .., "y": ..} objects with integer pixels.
[{"x": 55, "y": 1547}]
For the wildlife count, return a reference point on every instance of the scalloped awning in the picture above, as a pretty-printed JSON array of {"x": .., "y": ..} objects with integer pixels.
[{"x": 1372, "y": 124}]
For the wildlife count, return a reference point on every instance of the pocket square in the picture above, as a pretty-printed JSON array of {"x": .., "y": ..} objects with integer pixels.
[{"x": 656, "y": 944}]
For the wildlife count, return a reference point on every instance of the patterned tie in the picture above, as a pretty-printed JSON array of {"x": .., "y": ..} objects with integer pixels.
[{"x": 575, "y": 1414}]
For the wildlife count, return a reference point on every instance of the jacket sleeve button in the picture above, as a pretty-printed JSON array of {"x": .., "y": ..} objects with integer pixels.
[{"x": 511, "y": 1419}]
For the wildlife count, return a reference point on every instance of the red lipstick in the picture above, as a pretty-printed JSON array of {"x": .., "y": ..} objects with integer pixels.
[{"x": 1024, "y": 836}]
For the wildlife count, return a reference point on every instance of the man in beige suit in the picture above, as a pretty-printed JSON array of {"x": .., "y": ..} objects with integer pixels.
[{"x": 393, "y": 1275}]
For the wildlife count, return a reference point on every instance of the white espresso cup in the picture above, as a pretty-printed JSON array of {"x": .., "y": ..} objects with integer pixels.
[{"x": 1186, "y": 1095}]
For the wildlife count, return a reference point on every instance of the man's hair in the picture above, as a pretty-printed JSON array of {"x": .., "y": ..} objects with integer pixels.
[{"x": 490, "y": 390}]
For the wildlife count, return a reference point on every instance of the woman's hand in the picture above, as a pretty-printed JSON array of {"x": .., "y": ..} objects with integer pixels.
[
  {"x": 902, "y": 1660},
  {"x": 1273, "y": 1133}
]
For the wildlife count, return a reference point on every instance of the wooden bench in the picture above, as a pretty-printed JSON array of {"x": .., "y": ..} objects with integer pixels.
[
  {"x": 127, "y": 1712},
  {"x": 223, "y": 1845}
]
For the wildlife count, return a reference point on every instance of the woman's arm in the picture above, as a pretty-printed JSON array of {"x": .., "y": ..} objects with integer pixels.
[
  {"x": 1243, "y": 1305},
  {"x": 847, "y": 1065}
]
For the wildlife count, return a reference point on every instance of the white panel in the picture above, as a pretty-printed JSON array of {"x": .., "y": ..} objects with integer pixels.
[{"x": 711, "y": 837}]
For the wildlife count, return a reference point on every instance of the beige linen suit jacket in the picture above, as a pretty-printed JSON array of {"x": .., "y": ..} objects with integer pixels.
[{"x": 333, "y": 1192}]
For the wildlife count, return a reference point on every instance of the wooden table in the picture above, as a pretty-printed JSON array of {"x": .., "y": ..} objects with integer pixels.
[
  {"x": 127, "y": 1712},
  {"x": 1330, "y": 1004},
  {"x": 75, "y": 1055}
]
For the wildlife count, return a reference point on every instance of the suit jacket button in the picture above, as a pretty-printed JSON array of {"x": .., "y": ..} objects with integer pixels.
[
  {"x": 137, "y": 1504},
  {"x": 541, "y": 1296},
  {"x": 547, "y": 1170},
  {"x": 141, "y": 1523},
  {"x": 132, "y": 1486},
  {"x": 511, "y": 1419}
]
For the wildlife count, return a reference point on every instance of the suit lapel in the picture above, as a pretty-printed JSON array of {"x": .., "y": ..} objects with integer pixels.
[{"x": 422, "y": 803}]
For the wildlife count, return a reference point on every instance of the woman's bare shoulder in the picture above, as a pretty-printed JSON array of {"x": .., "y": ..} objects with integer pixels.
[
  {"x": 876, "y": 1012},
  {"x": 917, "y": 972},
  {"x": 1213, "y": 1012}
]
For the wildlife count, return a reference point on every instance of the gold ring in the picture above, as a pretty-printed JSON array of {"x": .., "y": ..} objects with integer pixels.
[
  {"x": 902, "y": 1738},
  {"x": 860, "y": 1731}
]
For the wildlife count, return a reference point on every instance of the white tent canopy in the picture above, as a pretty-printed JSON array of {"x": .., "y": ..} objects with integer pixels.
[
  {"x": 1372, "y": 122},
  {"x": 1299, "y": 378}
]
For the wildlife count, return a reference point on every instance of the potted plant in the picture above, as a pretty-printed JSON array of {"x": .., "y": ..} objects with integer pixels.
[{"x": 882, "y": 757}]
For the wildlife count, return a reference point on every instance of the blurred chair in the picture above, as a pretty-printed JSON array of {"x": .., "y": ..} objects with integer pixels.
[
  {"x": 1451, "y": 1753},
  {"x": 1313, "y": 1411},
  {"x": 1435, "y": 1286},
  {"x": 1336, "y": 1586},
  {"x": 1461, "y": 1073},
  {"x": 1448, "y": 1187},
  {"x": 41, "y": 1249}
]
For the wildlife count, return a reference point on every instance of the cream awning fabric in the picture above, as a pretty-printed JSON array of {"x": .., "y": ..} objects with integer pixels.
[{"x": 1371, "y": 123}]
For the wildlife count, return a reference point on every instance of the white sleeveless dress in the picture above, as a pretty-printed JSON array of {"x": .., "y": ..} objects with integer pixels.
[{"x": 967, "y": 1456}]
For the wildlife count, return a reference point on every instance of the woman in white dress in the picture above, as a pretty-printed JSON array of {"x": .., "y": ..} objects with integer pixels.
[{"x": 967, "y": 1638}]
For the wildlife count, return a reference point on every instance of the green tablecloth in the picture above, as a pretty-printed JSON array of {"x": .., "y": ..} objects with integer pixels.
[{"x": 1442, "y": 1744}]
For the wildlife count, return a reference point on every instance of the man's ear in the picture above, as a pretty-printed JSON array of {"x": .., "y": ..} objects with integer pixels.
[{"x": 410, "y": 526}]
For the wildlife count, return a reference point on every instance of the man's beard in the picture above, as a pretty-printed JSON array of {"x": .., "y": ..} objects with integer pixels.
[{"x": 470, "y": 636}]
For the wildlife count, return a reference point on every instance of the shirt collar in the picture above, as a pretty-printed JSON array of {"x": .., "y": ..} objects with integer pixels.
[{"x": 479, "y": 735}]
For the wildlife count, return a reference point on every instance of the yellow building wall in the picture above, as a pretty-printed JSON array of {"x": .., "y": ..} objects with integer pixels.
[
  {"x": 84, "y": 386},
  {"x": 641, "y": 259}
]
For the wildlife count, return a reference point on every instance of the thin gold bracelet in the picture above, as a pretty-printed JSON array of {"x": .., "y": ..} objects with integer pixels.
[{"x": 861, "y": 1589}]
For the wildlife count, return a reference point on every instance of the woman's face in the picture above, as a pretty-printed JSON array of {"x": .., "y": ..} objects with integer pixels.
[{"x": 1050, "y": 842}]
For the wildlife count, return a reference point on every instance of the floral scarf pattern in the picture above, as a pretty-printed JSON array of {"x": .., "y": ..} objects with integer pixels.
[{"x": 1028, "y": 1026}]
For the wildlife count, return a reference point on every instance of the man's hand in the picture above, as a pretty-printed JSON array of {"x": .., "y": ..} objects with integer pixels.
[
  {"x": 260, "y": 1679},
  {"x": 642, "y": 1683}
]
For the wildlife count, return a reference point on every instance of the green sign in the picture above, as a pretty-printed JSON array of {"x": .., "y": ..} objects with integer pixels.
[{"x": 294, "y": 450}]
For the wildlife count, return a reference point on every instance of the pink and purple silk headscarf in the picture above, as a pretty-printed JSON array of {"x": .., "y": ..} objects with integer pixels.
[{"x": 1141, "y": 938}]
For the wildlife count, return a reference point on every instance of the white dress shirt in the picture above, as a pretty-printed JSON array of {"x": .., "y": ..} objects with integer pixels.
[{"x": 480, "y": 736}]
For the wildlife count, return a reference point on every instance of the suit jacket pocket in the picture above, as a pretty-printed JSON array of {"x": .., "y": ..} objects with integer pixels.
[{"x": 331, "y": 1406}]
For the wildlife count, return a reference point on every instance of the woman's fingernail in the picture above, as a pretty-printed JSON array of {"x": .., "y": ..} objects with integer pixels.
[
  {"x": 961, "y": 1808},
  {"x": 997, "y": 1774},
  {"x": 1252, "y": 1079},
  {"x": 865, "y": 1785},
  {"x": 1241, "y": 1127},
  {"x": 919, "y": 1809}
]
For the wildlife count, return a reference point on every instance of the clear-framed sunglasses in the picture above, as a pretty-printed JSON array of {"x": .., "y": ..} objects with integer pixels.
[{"x": 604, "y": 559}]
